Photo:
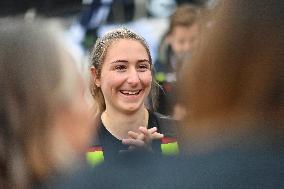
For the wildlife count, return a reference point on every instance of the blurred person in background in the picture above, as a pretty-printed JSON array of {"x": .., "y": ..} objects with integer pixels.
[
  {"x": 177, "y": 44},
  {"x": 121, "y": 82},
  {"x": 164, "y": 8},
  {"x": 46, "y": 8},
  {"x": 235, "y": 90},
  {"x": 46, "y": 117},
  {"x": 97, "y": 13}
]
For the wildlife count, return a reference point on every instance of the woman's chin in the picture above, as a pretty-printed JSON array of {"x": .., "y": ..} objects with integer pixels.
[{"x": 131, "y": 108}]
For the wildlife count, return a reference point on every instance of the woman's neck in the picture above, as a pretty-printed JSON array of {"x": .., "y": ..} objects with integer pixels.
[{"x": 119, "y": 123}]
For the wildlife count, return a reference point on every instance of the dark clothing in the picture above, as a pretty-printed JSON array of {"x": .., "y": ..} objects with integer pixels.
[
  {"x": 223, "y": 169},
  {"x": 111, "y": 146},
  {"x": 102, "y": 11},
  {"x": 165, "y": 75},
  {"x": 256, "y": 162},
  {"x": 168, "y": 70}
]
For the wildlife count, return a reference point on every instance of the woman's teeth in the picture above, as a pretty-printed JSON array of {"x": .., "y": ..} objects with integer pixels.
[{"x": 130, "y": 92}]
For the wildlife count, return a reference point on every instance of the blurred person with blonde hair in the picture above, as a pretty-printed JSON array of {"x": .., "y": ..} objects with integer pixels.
[{"x": 46, "y": 118}]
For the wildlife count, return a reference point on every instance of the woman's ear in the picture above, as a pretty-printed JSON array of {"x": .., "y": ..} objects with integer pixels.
[{"x": 96, "y": 78}]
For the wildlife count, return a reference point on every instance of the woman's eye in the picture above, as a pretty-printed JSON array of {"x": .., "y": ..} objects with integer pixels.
[
  {"x": 120, "y": 67},
  {"x": 143, "y": 67}
]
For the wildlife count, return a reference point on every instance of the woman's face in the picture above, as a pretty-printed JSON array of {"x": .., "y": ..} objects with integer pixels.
[{"x": 125, "y": 76}]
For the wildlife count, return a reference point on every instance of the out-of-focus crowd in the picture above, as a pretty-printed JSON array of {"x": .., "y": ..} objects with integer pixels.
[{"x": 142, "y": 94}]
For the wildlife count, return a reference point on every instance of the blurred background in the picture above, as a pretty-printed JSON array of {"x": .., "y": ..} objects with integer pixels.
[{"x": 85, "y": 20}]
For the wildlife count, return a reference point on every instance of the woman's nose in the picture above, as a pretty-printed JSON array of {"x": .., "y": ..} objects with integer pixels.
[{"x": 133, "y": 77}]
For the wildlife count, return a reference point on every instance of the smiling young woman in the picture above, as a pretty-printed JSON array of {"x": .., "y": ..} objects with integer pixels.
[{"x": 122, "y": 81}]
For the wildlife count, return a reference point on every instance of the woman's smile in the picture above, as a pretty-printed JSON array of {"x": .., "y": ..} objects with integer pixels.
[{"x": 130, "y": 93}]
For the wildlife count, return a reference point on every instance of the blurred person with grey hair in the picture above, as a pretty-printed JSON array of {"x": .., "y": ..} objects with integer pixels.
[{"x": 46, "y": 118}]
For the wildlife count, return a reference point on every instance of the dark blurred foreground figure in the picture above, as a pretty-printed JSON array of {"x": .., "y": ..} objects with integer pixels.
[
  {"x": 46, "y": 118},
  {"x": 235, "y": 92}
]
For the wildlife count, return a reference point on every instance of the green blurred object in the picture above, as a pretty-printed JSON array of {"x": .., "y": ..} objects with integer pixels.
[
  {"x": 160, "y": 76},
  {"x": 170, "y": 148},
  {"x": 95, "y": 158}
]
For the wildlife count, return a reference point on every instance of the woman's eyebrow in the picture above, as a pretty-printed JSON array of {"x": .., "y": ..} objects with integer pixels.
[
  {"x": 118, "y": 61},
  {"x": 125, "y": 61},
  {"x": 143, "y": 60}
]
